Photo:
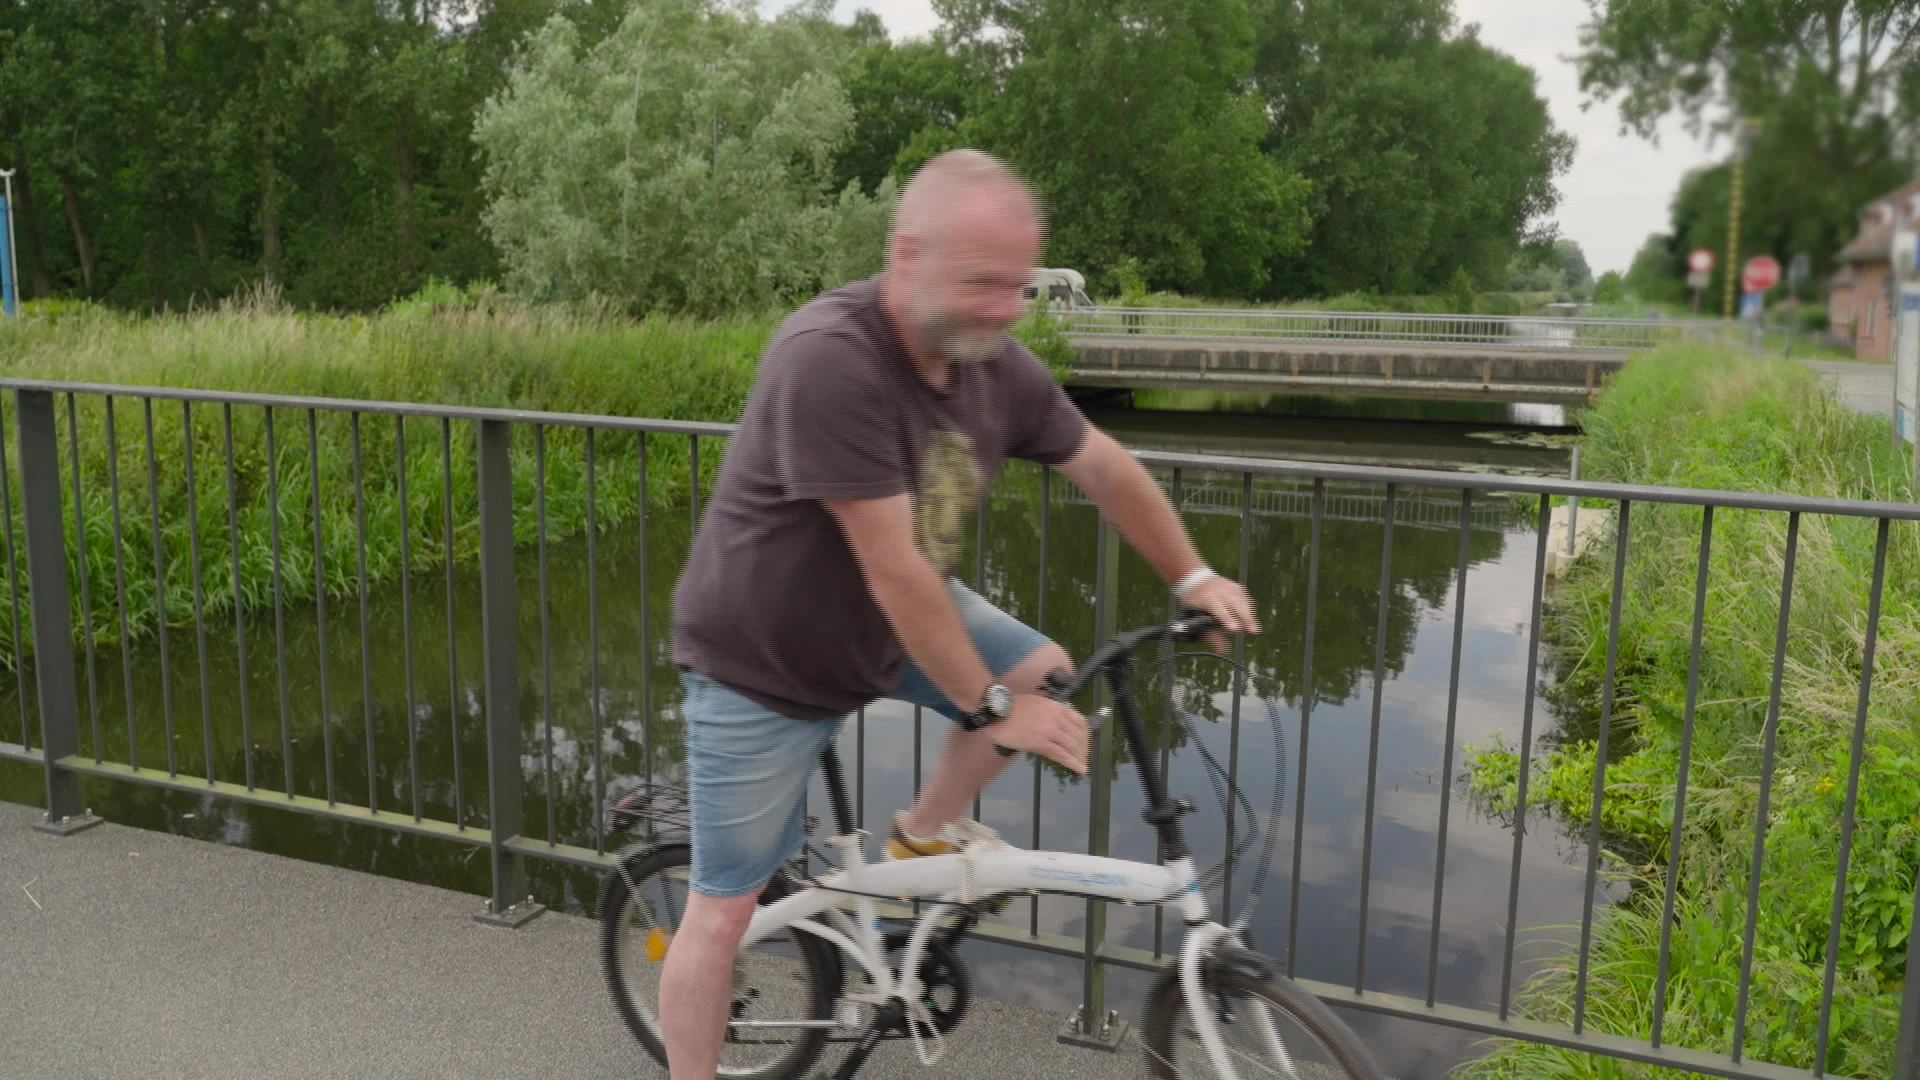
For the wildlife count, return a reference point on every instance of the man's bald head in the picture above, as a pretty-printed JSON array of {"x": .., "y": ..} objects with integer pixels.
[
  {"x": 959, "y": 192},
  {"x": 965, "y": 237}
]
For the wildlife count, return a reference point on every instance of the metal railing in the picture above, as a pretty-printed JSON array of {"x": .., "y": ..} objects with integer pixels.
[
  {"x": 1503, "y": 332},
  {"x": 500, "y": 521}
]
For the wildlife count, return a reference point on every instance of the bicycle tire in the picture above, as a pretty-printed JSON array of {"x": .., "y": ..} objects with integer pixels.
[
  {"x": 1166, "y": 1007},
  {"x": 823, "y": 969}
]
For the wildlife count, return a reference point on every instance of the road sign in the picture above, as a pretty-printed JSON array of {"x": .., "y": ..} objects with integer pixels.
[
  {"x": 1797, "y": 272},
  {"x": 1701, "y": 261},
  {"x": 1699, "y": 279},
  {"x": 1761, "y": 273}
]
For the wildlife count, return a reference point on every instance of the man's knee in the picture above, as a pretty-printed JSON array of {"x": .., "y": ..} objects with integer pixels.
[
  {"x": 1027, "y": 676},
  {"x": 720, "y": 915}
]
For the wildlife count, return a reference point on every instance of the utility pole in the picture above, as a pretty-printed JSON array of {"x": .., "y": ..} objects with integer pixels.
[{"x": 1743, "y": 142}]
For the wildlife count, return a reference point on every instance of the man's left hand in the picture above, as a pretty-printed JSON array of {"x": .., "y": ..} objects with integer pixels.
[{"x": 1225, "y": 600}]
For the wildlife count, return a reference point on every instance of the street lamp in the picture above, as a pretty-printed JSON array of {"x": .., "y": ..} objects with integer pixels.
[{"x": 1743, "y": 144}]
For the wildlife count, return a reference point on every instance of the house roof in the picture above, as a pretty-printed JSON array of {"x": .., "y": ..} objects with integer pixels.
[{"x": 1874, "y": 242}]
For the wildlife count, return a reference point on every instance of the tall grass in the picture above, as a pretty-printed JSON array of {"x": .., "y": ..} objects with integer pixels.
[
  {"x": 473, "y": 351},
  {"x": 1686, "y": 416}
]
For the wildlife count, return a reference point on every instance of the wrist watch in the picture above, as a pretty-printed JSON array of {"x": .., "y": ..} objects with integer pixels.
[{"x": 995, "y": 705}]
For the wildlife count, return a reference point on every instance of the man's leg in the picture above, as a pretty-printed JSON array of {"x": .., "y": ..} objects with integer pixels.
[
  {"x": 1021, "y": 657},
  {"x": 747, "y": 771},
  {"x": 696, "y": 986}
]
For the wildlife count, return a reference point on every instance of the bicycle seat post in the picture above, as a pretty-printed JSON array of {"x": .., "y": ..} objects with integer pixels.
[{"x": 843, "y": 822}]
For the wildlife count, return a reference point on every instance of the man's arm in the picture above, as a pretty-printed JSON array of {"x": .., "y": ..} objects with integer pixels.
[
  {"x": 920, "y": 608},
  {"x": 1127, "y": 494}
]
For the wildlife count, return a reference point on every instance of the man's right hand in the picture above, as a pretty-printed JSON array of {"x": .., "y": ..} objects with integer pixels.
[{"x": 1041, "y": 725}]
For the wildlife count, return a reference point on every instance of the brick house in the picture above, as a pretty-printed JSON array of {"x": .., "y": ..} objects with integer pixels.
[{"x": 1857, "y": 306}]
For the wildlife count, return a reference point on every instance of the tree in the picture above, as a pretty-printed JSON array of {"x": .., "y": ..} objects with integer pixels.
[
  {"x": 1658, "y": 273},
  {"x": 1426, "y": 149},
  {"x": 1834, "y": 83},
  {"x": 1134, "y": 119},
  {"x": 684, "y": 163},
  {"x": 1610, "y": 289},
  {"x": 1572, "y": 262},
  {"x": 908, "y": 101}
]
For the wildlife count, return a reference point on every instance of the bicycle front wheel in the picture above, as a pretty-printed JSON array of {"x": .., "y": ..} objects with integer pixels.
[
  {"x": 784, "y": 988},
  {"x": 1270, "y": 1029}
]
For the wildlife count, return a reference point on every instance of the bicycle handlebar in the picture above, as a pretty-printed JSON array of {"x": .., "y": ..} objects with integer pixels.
[{"x": 1192, "y": 625}]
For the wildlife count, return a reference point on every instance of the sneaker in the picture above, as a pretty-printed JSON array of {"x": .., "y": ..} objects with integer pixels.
[{"x": 965, "y": 834}]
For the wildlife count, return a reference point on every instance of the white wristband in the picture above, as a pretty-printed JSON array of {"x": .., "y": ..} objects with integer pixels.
[{"x": 1191, "y": 581}]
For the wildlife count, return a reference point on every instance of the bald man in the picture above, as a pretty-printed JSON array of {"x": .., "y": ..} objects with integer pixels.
[{"x": 822, "y": 575}]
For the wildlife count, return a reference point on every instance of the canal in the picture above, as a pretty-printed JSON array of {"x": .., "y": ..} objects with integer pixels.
[{"x": 394, "y": 716}]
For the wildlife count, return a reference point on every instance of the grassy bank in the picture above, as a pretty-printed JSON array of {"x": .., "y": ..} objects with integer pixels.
[
  {"x": 444, "y": 346},
  {"x": 1689, "y": 417},
  {"x": 464, "y": 350}
]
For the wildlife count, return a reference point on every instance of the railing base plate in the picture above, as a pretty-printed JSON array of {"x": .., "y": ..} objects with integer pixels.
[
  {"x": 67, "y": 826},
  {"x": 1107, "y": 1036},
  {"x": 514, "y": 917}
]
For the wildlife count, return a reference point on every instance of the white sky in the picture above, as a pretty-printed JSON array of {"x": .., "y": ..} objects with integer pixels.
[{"x": 1619, "y": 186}]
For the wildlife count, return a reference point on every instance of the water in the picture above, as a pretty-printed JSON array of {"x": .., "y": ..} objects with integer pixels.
[{"x": 637, "y": 718}]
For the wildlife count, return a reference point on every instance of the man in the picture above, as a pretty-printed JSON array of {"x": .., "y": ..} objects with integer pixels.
[{"x": 821, "y": 576}]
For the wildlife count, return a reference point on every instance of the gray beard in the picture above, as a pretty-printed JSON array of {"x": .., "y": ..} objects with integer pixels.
[{"x": 948, "y": 339}]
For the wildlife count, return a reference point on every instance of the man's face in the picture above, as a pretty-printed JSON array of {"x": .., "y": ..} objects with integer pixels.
[{"x": 963, "y": 282}]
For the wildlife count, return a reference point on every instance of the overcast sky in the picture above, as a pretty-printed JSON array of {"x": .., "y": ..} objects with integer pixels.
[{"x": 1618, "y": 189}]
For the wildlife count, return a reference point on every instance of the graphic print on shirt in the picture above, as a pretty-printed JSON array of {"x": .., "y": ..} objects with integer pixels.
[{"x": 950, "y": 486}]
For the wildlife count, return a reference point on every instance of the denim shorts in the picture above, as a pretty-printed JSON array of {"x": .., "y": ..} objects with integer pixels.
[{"x": 748, "y": 766}]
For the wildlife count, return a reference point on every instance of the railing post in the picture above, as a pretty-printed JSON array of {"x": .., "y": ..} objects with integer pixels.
[
  {"x": 1573, "y": 503},
  {"x": 52, "y": 614},
  {"x": 1093, "y": 1025},
  {"x": 510, "y": 905},
  {"x": 1906, "y": 1053}
]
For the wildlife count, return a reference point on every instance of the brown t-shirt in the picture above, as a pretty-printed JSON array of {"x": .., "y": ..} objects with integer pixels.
[{"x": 772, "y": 602}]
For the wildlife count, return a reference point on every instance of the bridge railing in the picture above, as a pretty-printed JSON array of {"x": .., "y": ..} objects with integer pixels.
[
  {"x": 248, "y": 508},
  {"x": 1518, "y": 332}
]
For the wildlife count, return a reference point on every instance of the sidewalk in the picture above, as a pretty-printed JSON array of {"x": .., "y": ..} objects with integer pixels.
[{"x": 132, "y": 955}]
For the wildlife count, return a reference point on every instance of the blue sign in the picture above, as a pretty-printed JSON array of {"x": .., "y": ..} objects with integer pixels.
[
  {"x": 1750, "y": 306},
  {"x": 9, "y": 298}
]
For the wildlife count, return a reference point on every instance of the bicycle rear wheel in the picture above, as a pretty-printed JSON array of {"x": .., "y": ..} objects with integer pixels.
[
  {"x": 1271, "y": 1029},
  {"x": 784, "y": 988}
]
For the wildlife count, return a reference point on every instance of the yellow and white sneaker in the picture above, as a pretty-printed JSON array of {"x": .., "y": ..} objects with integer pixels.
[{"x": 965, "y": 834}]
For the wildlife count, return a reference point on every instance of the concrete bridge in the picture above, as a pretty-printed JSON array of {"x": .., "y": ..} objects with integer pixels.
[{"x": 1464, "y": 357}]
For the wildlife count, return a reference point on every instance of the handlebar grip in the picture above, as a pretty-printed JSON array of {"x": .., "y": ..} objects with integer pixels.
[
  {"x": 1056, "y": 684},
  {"x": 1195, "y": 624}
]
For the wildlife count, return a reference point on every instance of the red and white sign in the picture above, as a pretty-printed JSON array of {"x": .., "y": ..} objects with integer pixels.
[
  {"x": 1700, "y": 261},
  {"x": 1762, "y": 272}
]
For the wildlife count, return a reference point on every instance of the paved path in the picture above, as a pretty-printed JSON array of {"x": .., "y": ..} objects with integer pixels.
[
  {"x": 133, "y": 955},
  {"x": 1867, "y": 388}
]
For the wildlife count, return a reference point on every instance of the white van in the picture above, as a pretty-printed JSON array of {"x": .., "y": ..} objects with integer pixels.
[{"x": 1064, "y": 288}]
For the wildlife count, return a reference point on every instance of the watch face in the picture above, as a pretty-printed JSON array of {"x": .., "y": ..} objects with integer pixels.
[{"x": 999, "y": 702}]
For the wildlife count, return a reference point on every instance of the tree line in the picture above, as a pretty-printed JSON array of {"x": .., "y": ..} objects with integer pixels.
[
  {"x": 703, "y": 156},
  {"x": 1834, "y": 89}
]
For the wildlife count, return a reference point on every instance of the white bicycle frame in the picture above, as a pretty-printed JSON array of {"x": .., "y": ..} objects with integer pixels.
[{"x": 848, "y": 898}]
